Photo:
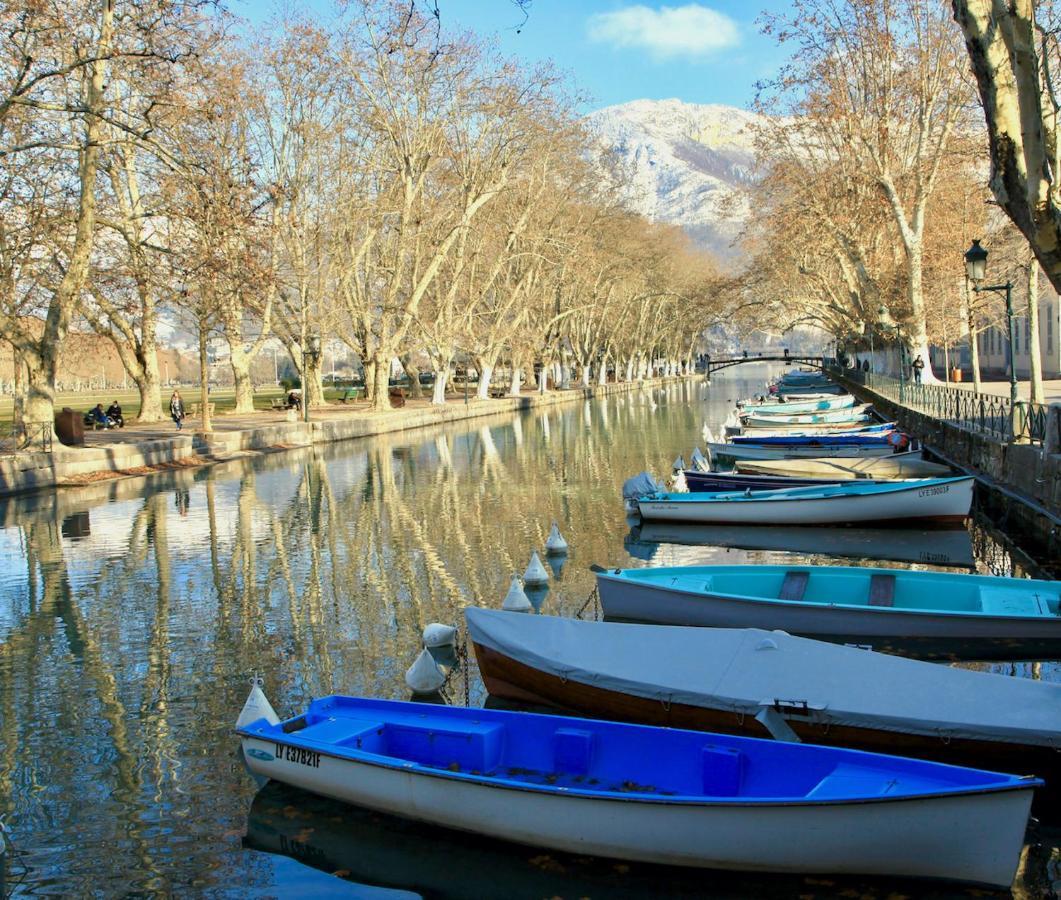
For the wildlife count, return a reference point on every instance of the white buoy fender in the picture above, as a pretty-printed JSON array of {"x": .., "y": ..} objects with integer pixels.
[
  {"x": 424, "y": 676},
  {"x": 555, "y": 543},
  {"x": 257, "y": 706},
  {"x": 679, "y": 485},
  {"x": 535, "y": 573},
  {"x": 516, "y": 599},
  {"x": 438, "y": 635}
]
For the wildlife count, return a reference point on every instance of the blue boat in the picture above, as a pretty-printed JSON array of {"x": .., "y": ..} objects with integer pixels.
[
  {"x": 645, "y": 793},
  {"x": 803, "y": 440}
]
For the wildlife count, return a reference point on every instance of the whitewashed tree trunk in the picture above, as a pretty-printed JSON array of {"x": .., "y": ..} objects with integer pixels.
[
  {"x": 486, "y": 372},
  {"x": 514, "y": 382},
  {"x": 438, "y": 392}
]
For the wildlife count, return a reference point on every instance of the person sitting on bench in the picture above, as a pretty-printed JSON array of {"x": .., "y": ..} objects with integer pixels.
[
  {"x": 114, "y": 413},
  {"x": 99, "y": 417},
  {"x": 294, "y": 400}
]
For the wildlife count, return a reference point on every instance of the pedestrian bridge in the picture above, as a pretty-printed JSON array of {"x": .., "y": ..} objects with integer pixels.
[{"x": 717, "y": 365}]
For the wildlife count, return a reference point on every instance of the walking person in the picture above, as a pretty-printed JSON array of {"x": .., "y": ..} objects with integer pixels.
[
  {"x": 176, "y": 409},
  {"x": 917, "y": 365}
]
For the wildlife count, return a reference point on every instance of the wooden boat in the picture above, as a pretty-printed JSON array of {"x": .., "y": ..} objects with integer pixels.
[
  {"x": 863, "y": 426},
  {"x": 951, "y": 546},
  {"x": 768, "y": 683},
  {"x": 924, "y": 614},
  {"x": 711, "y": 482},
  {"x": 924, "y": 499},
  {"x": 769, "y": 418},
  {"x": 836, "y": 438},
  {"x": 655, "y": 794},
  {"x": 814, "y": 451},
  {"x": 845, "y": 401},
  {"x": 898, "y": 465}
]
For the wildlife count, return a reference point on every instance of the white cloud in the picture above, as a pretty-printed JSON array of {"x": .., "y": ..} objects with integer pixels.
[{"x": 691, "y": 31}]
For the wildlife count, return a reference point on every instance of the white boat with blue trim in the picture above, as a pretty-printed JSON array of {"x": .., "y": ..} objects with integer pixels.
[
  {"x": 636, "y": 792},
  {"x": 923, "y": 499}
]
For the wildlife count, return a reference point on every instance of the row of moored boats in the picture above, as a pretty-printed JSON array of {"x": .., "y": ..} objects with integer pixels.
[{"x": 749, "y": 724}]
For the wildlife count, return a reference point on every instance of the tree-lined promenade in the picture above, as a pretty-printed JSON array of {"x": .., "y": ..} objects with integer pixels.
[{"x": 369, "y": 178}]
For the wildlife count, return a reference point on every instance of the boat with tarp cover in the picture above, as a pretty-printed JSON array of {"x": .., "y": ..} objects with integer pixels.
[
  {"x": 899, "y": 465},
  {"x": 769, "y": 683},
  {"x": 637, "y": 792},
  {"x": 925, "y": 614}
]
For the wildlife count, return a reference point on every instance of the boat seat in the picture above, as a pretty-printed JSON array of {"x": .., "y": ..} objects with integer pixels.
[
  {"x": 572, "y": 751},
  {"x": 794, "y": 586},
  {"x": 882, "y": 590},
  {"x": 465, "y": 746},
  {"x": 1000, "y": 601},
  {"x": 723, "y": 771}
]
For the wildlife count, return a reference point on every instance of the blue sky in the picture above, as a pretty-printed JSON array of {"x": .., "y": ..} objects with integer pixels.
[{"x": 616, "y": 51}]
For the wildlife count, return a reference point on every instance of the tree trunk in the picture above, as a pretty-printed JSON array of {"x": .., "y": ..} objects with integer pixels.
[
  {"x": 18, "y": 388},
  {"x": 513, "y": 385},
  {"x": 240, "y": 362},
  {"x": 438, "y": 392},
  {"x": 1034, "y": 353},
  {"x": 602, "y": 371},
  {"x": 381, "y": 395},
  {"x": 368, "y": 374},
  {"x": 204, "y": 379},
  {"x": 486, "y": 372},
  {"x": 413, "y": 374},
  {"x": 149, "y": 384},
  {"x": 312, "y": 385}
]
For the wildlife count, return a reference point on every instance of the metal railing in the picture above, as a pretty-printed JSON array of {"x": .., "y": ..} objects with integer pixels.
[
  {"x": 987, "y": 414},
  {"x": 26, "y": 438}
]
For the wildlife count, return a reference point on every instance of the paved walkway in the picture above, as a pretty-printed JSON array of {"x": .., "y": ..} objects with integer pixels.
[{"x": 1051, "y": 389}]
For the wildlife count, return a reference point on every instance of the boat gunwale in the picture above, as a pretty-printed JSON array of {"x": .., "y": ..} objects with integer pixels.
[
  {"x": 611, "y": 575},
  {"x": 866, "y": 487},
  {"x": 362, "y": 757}
]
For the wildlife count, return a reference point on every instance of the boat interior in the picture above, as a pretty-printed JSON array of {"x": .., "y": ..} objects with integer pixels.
[
  {"x": 576, "y": 755},
  {"x": 900, "y": 590}
]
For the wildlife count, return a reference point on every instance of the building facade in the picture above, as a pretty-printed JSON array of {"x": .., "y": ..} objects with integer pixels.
[{"x": 994, "y": 341}]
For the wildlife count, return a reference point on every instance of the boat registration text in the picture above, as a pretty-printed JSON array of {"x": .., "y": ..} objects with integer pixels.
[
  {"x": 298, "y": 755},
  {"x": 934, "y": 491}
]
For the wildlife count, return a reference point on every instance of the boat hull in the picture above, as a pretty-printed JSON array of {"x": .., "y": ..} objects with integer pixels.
[
  {"x": 947, "y": 503},
  {"x": 931, "y": 837},
  {"x": 900, "y": 465},
  {"x": 736, "y": 481},
  {"x": 801, "y": 406},
  {"x": 514, "y": 680},
  {"x": 922, "y": 635},
  {"x": 795, "y": 451}
]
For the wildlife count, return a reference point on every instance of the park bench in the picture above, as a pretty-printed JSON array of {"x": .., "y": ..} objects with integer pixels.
[
  {"x": 397, "y": 397},
  {"x": 279, "y": 403},
  {"x": 197, "y": 410},
  {"x": 349, "y": 394}
]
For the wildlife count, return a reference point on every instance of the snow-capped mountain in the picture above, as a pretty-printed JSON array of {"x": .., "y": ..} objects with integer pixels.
[{"x": 685, "y": 161}]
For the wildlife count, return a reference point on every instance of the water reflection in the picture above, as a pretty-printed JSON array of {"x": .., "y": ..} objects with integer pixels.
[{"x": 133, "y": 611}]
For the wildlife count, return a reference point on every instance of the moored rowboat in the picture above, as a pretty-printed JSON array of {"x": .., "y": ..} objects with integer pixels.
[
  {"x": 898, "y": 465},
  {"x": 799, "y": 406},
  {"x": 769, "y": 416},
  {"x": 762, "y": 683},
  {"x": 653, "y": 794},
  {"x": 927, "y": 499},
  {"x": 795, "y": 451},
  {"x": 924, "y": 614}
]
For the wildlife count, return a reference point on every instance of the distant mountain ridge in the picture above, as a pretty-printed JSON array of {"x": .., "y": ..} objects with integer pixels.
[{"x": 687, "y": 163}]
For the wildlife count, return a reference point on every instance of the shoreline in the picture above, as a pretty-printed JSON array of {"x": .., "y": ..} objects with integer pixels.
[{"x": 241, "y": 437}]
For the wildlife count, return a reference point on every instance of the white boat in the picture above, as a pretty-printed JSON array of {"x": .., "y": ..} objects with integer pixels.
[
  {"x": 898, "y": 465},
  {"x": 799, "y": 406},
  {"x": 659, "y": 795},
  {"x": 750, "y": 451},
  {"x": 923, "y": 499},
  {"x": 764, "y": 415},
  {"x": 768, "y": 683}
]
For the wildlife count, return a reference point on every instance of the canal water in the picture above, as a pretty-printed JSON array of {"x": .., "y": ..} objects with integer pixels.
[{"x": 133, "y": 613}]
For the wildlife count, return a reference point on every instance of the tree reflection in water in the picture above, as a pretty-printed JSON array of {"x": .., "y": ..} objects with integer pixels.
[{"x": 126, "y": 641}]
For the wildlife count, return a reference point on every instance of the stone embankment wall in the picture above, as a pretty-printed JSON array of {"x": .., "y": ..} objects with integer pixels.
[
  {"x": 1023, "y": 481},
  {"x": 39, "y": 471}
]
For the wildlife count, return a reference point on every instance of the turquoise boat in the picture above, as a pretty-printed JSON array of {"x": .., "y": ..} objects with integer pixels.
[{"x": 925, "y": 614}]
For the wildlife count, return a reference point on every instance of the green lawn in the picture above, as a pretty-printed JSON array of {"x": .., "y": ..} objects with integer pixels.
[{"x": 224, "y": 399}]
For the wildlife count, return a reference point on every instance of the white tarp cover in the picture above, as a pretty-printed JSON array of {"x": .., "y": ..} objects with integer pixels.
[{"x": 742, "y": 669}]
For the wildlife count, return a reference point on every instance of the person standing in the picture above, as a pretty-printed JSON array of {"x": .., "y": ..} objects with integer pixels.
[
  {"x": 176, "y": 409},
  {"x": 917, "y": 365}
]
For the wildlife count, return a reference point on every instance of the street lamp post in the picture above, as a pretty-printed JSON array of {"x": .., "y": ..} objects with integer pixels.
[
  {"x": 976, "y": 269},
  {"x": 311, "y": 351}
]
